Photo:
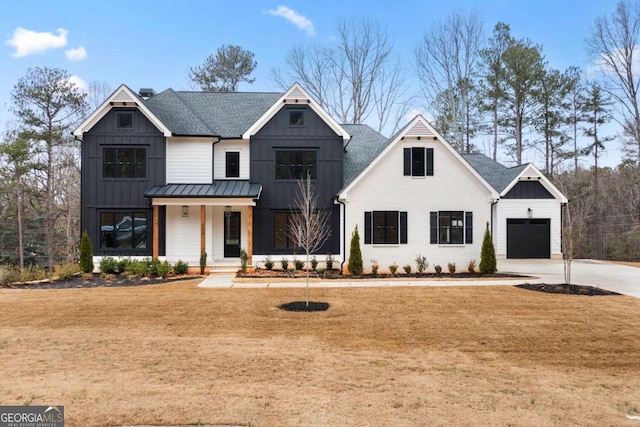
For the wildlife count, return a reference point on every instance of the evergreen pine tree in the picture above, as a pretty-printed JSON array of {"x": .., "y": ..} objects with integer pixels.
[
  {"x": 86, "y": 254},
  {"x": 355, "y": 256},
  {"x": 488, "y": 254}
]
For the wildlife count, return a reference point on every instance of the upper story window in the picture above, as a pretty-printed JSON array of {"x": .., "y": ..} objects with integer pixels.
[
  {"x": 418, "y": 161},
  {"x": 294, "y": 164},
  {"x": 125, "y": 163},
  {"x": 124, "y": 120},
  {"x": 232, "y": 162},
  {"x": 296, "y": 117}
]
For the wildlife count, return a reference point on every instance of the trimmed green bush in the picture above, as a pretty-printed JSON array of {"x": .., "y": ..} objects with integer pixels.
[
  {"x": 355, "y": 255},
  {"x": 488, "y": 264},
  {"x": 298, "y": 264},
  {"x": 284, "y": 263},
  {"x": 244, "y": 259},
  {"x": 109, "y": 265},
  {"x": 181, "y": 268},
  {"x": 86, "y": 254},
  {"x": 329, "y": 261},
  {"x": 268, "y": 263},
  {"x": 163, "y": 268},
  {"x": 314, "y": 263}
]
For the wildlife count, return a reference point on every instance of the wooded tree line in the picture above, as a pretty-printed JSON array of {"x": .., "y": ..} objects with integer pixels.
[{"x": 490, "y": 93}]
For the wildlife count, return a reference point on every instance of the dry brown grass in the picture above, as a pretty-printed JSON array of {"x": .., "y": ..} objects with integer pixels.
[{"x": 178, "y": 354}]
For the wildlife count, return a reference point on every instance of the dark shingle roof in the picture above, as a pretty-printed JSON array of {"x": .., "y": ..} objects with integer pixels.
[
  {"x": 364, "y": 146},
  {"x": 218, "y": 189},
  {"x": 224, "y": 114},
  {"x": 497, "y": 175}
]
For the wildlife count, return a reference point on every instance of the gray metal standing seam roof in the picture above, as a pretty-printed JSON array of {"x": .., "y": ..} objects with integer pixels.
[{"x": 217, "y": 189}]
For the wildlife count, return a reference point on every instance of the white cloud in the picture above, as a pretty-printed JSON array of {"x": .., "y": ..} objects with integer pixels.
[
  {"x": 79, "y": 83},
  {"x": 295, "y": 18},
  {"x": 76, "y": 54},
  {"x": 28, "y": 42}
]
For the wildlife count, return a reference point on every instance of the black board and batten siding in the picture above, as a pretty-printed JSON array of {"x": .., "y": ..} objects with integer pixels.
[
  {"x": 278, "y": 195},
  {"x": 100, "y": 194}
]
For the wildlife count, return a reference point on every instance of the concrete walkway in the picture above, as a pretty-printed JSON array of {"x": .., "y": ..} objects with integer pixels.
[{"x": 613, "y": 277}]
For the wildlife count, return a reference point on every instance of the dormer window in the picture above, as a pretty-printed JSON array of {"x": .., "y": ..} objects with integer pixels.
[
  {"x": 124, "y": 120},
  {"x": 296, "y": 118}
]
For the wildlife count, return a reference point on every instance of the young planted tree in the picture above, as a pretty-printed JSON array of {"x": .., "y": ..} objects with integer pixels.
[
  {"x": 355, "y": 255},
  {"x": 225, "y": 70},
  {"x": 86, "y": 253},
  {"x": 309, "y": 226},
  {"x": 48, "y": 105},
  {"x": 488, "y": 264}
]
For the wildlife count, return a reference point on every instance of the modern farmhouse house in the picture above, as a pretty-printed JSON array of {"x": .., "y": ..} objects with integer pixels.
[{"x": 174, "y": 174}]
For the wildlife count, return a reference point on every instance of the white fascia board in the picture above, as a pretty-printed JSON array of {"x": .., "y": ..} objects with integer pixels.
[
  {"x": 130, "y": 99},
  {"x": 296, "y": 95},
  {"x": 422, "y": 123},
  {"x": 532, "y": 170}
]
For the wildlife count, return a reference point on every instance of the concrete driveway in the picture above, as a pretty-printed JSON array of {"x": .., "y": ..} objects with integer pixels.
[{"x": 606, "y": 275}]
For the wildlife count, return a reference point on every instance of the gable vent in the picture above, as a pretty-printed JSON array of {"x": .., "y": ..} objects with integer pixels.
[
  {"x": 122, "y": 96},
  {"x": 419, "y": 129},
  {"x": 297, "y": 94}
]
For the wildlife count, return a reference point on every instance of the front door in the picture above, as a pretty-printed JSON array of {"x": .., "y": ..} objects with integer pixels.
[{"x": 231, "y": 234}]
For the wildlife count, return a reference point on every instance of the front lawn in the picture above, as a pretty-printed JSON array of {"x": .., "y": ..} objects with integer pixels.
[{"x": 177, "y": 354}]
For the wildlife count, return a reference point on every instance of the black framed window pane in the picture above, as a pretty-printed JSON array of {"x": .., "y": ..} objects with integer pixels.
[
  {"x": 124, "y": 120},
  {"x": 140, "y": 230},
  {"x": 232, "y": 164},
  {"x": 417, "y": 161},
  {"x": 141, "y": 163},
  {"x": 296, "y": 118},
  {"x": 385, "y": 227},
  {"x": 280, "y": 222},
  {"x": 107, "y": 231},
  {"x": 294, "y": 164},
  {"x": 392, "y": 227}
]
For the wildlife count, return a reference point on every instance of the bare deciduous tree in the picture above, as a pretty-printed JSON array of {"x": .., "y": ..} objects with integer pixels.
[
  {"x": 447, "y": 63},
  {"x": 352, "y": 79},
  {"x": 309, "y": 227},
  {"x": 614, "y": 43}
]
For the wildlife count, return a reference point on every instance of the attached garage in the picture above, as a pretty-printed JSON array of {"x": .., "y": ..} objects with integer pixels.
[{"x": 528, "y": 238}]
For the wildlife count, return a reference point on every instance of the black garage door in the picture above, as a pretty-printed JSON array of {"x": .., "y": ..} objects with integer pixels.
[{"x": 528, "y": 238}]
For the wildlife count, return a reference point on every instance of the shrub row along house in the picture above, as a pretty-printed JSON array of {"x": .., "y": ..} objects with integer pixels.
[{"x": 176, "y": 174}]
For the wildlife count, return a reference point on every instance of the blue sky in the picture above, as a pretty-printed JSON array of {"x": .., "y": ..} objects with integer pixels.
[{"x": 153, "y": 43}]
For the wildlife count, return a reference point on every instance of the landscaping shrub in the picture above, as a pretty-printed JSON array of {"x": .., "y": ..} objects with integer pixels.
[
  {"x": 472, "y": 266},
  {"x": 66, "y": 270},
  {"x": 109, "y": 265},
  {"x": 244, "y": 258},
  {"x": 123, "y": 264},
  {"x": 437, "y": 268},
  {"x": 162, "y": 268},
  {"x": 9, "y": 275},
  {"x": 284, "y": 263},
  {"x": 393, "y": 268},
  {"x": 138, "y": 267},
  {"x": 488, "y": 254},
  {"x": 407, "y": 269},
  {"x": 181, "y": 268},
  {"x": 452, "y": 267},
  {"x": 421, "y": 263},
  {"x": 203, "y": 261},
  {"x": 329, "y": 261},
  {"x": 268, "y": 263},
  {"x": 374, "y": 268},
  {"x": 33, "y": 272},
  {"x": 86, "y": 254},
  {"x": 298, "y": 264},
  {"x": 355, "y": 256},
  {"x": 314, "y": 263}
]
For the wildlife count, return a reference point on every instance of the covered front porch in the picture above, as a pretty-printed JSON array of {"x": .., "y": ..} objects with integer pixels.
[{"x": 216, "y": 219}]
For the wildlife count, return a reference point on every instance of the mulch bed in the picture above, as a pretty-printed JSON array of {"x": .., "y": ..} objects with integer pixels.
[
  {"x": 96, "y": 281},
  {"x": 261, "y": 273},
  {"x": 301, "y": 306},
  {"x": 564, "y": 288}
]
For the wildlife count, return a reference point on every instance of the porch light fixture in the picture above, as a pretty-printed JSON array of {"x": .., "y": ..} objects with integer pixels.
[
  {"x": 227, "y": 211},
  {"x": 529, "y": 212},
  {"x": 185, "y": 211}
]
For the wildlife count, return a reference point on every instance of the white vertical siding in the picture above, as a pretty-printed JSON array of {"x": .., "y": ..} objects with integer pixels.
[
  {"x": 183, "y": 235},
  {"x": 221, "y": 148},
  {"x": 452, "y": 188},
  {"x": 518, "y": 208},
  {"x": 189, "y": 160}
]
